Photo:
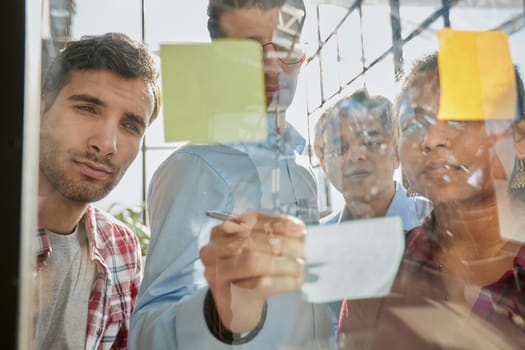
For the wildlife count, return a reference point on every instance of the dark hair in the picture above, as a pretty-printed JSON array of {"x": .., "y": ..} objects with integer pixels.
[
  {"x": 217, "y": 7},
  {"x": 376, "y": 106},
  {"x": 521, "y": 93},
  {"x": 115, "y": 52}
]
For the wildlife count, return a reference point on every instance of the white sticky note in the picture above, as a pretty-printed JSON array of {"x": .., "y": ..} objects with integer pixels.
[{"x": 353, "y": 260}]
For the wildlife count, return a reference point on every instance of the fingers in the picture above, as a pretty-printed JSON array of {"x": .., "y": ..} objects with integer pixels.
[
  {"x": 240, "y": 225},
  {"x": 278, "y": 245},
  {"x": 259, "y": 222},
  {"x": 228, "y": 245},
  {"x": 257, "y": 251},
  {"x": 256, "y": 270},
  {"x": 271, "y": 234},
  {"x": 279, "y": 225},
  {"x": 267, "y": 286}
]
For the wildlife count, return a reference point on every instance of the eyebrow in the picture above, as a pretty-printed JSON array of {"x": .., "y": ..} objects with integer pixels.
[
  {"x": 87, "y": 98},
  {"x": 371, "y": 132}
]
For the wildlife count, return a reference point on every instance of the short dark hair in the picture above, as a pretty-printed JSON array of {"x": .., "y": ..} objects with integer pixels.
[
  {"x": 217, "y": 7},
  {"x": 115, "y": 52},
  {"x": 379, "y": 107}
]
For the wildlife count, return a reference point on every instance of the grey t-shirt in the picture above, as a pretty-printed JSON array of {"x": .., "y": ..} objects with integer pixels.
[{"x": 63, "y": 289}]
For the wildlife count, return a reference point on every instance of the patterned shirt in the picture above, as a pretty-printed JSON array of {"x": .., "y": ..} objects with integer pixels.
[
  {"x": 417, "y": 314},
  {"x": 117, "y": 255},
  {"x": 506, "y": 295}
]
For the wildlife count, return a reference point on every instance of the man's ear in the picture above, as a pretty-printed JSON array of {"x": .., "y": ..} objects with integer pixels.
[
  {"x": 498, "y": 170},
  {"x": 395, "y": 157},
  {"x": 323, "y": 166},
  {"x": 500, "y": 158},
  {"x": 519, "y": 138}
]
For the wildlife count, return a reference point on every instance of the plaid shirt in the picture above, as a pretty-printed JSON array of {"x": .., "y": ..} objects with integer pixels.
[
  {"x": 507, "y": 293},
  {"x": 375, "y": 323},
  {"x": 116, "y": 253}
]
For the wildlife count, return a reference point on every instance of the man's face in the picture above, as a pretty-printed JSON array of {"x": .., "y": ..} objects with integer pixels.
[
  {"x": 91, "y": 133},
  {"x": 359, "y": 157},
  {"x": 446, "y": 161},
  {"x": 259, "y": 24}
]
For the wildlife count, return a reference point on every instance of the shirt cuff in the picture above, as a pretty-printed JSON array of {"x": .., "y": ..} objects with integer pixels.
[{"x": 222, "y": 333}]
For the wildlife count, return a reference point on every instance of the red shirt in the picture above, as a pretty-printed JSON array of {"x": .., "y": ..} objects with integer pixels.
[{"x": 417, "y": 315}]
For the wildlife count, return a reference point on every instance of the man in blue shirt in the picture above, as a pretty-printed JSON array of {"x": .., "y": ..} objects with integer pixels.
[
  {"x": 244, "y": 287},
  {"x": 355, "y": 144}
]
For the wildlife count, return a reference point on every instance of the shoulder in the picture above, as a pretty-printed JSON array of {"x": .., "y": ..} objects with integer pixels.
[
  {"x": 110, "y": 229},
  {"x": 520, "y": 257},
  {"x": 411, "y": 208},
  {"x": 198, "y": 158},
  {"x": 419, "y": 241}
]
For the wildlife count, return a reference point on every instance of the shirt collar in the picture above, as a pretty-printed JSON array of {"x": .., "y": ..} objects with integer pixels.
[
  {"x": 287, "y": 143},
  {"x": 404, "y": 206},
  {"x": 42, "y": 246}
]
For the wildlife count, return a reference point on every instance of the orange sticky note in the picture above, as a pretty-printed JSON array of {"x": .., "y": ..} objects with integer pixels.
[{"x": 476, "y": 75}]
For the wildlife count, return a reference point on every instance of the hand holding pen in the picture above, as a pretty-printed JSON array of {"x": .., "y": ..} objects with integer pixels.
[{"x": 252, "y": 255}]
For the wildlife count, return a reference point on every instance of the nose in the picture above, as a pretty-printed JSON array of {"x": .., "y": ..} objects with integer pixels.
[
  {"x": 436, "y": 136},
  {"x": 103, "y": 141},
  {"x": 356, "y": 151},
  {"x": 271, "y": 62}
]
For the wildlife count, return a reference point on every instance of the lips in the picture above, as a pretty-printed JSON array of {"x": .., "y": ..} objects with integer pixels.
[
  {"x": 271, "y": 89},
  {"x": 93, "y": 170},
  {"x": 439, "y": 168},
  {"x": 357, "y": 174}
]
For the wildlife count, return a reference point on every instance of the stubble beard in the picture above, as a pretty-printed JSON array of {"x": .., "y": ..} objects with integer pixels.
[{"x": 84, "y": 190}]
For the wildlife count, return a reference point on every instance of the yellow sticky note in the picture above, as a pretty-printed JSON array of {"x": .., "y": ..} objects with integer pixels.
[
  {"x": 213, "y": 92},
  {"x": 476, "y": 75}
]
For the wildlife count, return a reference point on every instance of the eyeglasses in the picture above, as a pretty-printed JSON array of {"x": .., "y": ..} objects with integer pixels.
[
  {"x": 338, "y": 148},
  {"x": 287, "y": 56},
  {"x": 416, "y": 123}
]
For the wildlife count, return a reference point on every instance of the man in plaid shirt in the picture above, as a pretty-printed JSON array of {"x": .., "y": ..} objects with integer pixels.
[{"x": 98, "y": 97}]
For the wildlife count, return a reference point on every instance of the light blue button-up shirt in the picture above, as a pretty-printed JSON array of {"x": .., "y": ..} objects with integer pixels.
[
  {"x": 169, "y": 312},
  {"x": 411, "y": 209}
]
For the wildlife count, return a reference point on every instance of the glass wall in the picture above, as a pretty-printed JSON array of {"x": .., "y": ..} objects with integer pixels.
[
  {"x": 367, "y": 119},
  {"x": 348, "y": 44}
]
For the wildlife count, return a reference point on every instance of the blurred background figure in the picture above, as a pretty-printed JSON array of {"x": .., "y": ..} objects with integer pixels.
[
  {"x": 356, "y": 146},
  {"x": 211, "y": 285},
  {"x": 462, "y": 278}
]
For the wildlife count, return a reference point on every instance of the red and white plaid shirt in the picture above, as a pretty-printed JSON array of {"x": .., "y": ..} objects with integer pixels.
[{"x": 116, "y": 253}]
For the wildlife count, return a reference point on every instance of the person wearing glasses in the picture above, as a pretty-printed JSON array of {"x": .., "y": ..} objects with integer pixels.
[
  {"x": 462, "y": 280},
  {"x": 355, "y": 144},
  {"x": 210, "y": 284}
]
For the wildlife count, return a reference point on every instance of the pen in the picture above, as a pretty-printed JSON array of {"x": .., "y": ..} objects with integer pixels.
[{"x": 218, "y": 215}]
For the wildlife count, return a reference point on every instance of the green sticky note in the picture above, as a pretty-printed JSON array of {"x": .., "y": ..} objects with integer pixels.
[{"x": 213, "y": 92}]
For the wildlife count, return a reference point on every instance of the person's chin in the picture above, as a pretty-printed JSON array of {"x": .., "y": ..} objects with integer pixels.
[{"x": 279, "y": 101}]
